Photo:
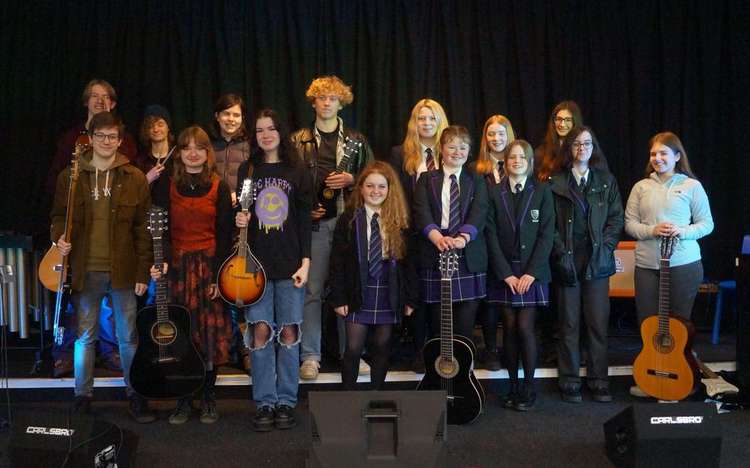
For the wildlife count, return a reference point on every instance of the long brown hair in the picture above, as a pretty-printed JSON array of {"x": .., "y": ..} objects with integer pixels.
[
  {"x": 411, "y": 145},
  {"x": 394, "y": 215},
  {"x": 202, "y": 141},
  {"x": 673, "y": 142},
  {"x": 552, "y": 159},
  {"x": 484, "y": 160}
]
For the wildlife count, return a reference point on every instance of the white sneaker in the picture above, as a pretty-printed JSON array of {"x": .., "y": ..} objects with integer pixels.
[
  {"x": 364, "y": 368},
  {"x": 637, "y": 392},
  {"x": 309, "y": 370}
]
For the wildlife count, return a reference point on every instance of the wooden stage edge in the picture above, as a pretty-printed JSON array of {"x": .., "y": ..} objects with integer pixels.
[{"x": 330, "y": 377}]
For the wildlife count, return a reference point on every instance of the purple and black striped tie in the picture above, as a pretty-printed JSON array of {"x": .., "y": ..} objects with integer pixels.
[
  {"x": 375, "y": 253},
  {"x": 455, "y": 214},
  {"x": 429, "y": 160}
]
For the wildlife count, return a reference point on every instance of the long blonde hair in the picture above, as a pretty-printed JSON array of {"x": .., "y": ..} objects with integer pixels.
[
  {"x": 411, "y": 145},
  {"x": 394, "y": 215},
  {"x": 484, "y": 160}
]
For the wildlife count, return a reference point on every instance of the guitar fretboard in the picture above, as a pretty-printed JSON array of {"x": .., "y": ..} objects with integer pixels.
[
  {"x": 162, "y": 308},
  {"x": 446, "y": 319},
  {"x": 664, "y": 302}
]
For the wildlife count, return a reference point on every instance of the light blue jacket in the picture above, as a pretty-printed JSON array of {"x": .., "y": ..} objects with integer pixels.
[{"x": 681, "y": 201}]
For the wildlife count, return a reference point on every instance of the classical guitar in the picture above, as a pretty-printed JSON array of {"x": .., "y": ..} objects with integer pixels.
[
  {"x": 166, "y": 364},
  {"x": 54, "y": 273},
  {"x": 241, "y": 278},
  {"x": 449, "y": 360},
  {"x": 665, "y": 368},
  {"x": 327, "y": 196}
]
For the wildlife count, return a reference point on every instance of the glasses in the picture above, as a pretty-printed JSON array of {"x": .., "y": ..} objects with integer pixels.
[
  {"x": 567, "y": 120},
  {"x": 108, "y": 137},
  {"x": 585, "y": 145}
]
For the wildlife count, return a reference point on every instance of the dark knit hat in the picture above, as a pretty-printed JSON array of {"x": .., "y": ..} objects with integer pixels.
[{"x": 158, "y": 111}]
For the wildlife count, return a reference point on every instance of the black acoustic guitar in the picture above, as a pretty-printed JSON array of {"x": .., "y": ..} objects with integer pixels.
[
  {"x": 166, "y": 365},
  {"x": 449, "y": 360},
  {"x": 327, "y": 196}
]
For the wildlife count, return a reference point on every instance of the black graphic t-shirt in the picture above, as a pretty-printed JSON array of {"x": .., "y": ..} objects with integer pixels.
[{"x": 280, "y": 226}]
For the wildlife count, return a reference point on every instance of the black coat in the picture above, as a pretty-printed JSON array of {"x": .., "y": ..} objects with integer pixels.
[
  {"x": 536, "y": 230},
  {"x": 605, "y": 222},
  {"x": 428, "y": 214},
  {"x": 348, "y": 272}
]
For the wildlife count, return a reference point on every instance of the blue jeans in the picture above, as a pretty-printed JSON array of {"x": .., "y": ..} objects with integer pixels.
[
  {"x": 275, "y": 364},
  {"x": 87, "y": 304},
  {"x": 322, "y": 240}
]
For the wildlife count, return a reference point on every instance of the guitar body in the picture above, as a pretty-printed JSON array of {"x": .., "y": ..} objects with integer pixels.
[
  {"x": 666, "y": 368},
  {"x": 465, "y": 394},
  {"x": 242, "y": 280},
  {"x": 50, "y": 267},
  {"x": 173, "y": 370}
]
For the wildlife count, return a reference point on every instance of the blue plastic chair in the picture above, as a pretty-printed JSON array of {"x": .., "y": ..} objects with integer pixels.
[{"x": 724, "y": 287}]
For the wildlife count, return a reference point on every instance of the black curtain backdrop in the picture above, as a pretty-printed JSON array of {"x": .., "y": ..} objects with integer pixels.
[{"x": 635, "y": 68}]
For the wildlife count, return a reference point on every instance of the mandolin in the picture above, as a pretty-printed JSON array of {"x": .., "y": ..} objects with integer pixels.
[
  {"x": 449, "y": 360},
  {"x": 665, "y": 368},
  {"x": 327, "y": 196},
  {"x": 166, "y": 364},
  {"x": 53, "y": 271},
  {"x": 241, "y": 278}
]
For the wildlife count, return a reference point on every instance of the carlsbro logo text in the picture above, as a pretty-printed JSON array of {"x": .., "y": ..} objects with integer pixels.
[
  {"x": 677, "y": 420},
  {"x": 53, "y": 431}
]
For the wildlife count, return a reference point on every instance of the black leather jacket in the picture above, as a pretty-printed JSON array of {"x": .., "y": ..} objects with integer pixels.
[{"x": 605, "y": 223}]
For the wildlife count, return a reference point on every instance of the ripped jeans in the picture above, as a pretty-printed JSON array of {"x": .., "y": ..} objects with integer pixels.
[{"x": 273, "y": 336}]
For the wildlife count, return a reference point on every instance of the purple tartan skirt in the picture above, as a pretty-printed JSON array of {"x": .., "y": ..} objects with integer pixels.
[
  {"x": 499, "y": 293},
  {"x": 376, "y": 307},
  {"x": 466, "y": 286}
]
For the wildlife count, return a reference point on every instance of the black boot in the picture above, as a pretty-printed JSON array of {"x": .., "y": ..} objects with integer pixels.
[
  {"x": 140, "y": 411},
  {"x": 209, "y": 415}
]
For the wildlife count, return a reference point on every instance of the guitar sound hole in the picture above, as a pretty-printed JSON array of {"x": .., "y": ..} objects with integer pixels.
[
  {"x": 164, "y": 333},
  {"x": 445, "y": 368},
  {"x": 663, "y": 343}
]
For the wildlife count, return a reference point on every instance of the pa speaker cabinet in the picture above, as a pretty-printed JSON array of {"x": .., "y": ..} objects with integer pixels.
[
  {"x": 43, "y": 439},
  {"x": 664, "y": 435},
  {"x": 378, "y": 429}
]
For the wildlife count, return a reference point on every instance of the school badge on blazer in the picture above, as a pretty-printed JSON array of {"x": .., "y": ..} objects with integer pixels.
[{"x": 534, "y": 216}]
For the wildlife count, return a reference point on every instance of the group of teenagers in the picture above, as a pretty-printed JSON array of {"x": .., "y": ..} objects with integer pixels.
[{"x": 527, "y": 226}]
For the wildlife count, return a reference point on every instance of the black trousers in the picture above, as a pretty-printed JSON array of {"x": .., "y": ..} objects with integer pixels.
[{"x": 589, "y": 300}]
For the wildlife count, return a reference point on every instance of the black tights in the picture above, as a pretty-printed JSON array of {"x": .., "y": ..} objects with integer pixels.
[
  {"x": 518, "y": 325},
  {"x": 464, "y": 314},
  {"x": 379, "y": 347},
  {"x": 489, "y": 317}
]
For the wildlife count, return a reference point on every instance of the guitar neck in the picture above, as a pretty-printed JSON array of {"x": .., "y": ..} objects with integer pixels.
[
  {"x": 162, "y": 307},
  {"x": 446, "y": 319},
  {"x": 664, "y": 302},
  {"x": 242, "y": 245}
]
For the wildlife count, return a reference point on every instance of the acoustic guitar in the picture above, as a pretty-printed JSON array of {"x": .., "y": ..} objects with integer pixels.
[
  {"x": 166, "y": 364},
  {"x": 449, "y": 360},
  {"x": 327, "y": 196},
  {"x": 53, "y": 270},
  {"x": 241, "y": 278},
  {"x": 666, "y": 368}
]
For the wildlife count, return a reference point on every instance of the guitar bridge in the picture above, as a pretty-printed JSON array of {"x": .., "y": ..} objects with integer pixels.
[
  {"x": 662, "y": 374},
  {"x": 166, "y": 360}
]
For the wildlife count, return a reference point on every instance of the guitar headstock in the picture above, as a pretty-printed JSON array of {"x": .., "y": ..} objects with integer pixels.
[
  {"x": 157, "y": 221},
  {"x": 351, "y": 147},
  {"x": 448, "y": 263},
  {"x": 246, "y": 195},
  {"x": 667, "y": 246}
]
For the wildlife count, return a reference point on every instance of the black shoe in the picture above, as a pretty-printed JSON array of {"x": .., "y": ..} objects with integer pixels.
[
  {"x": 209, "y": 414},
  {"x": 81, "y": 405},
  {"x": 264, "y": 419},
  {"x": 571, "y": 395},
  {"x": 491, "y": 361},
  {"x": 284, "y": 418},
  {"x": 140, "y": 411},
  {"x": 601, "y": 395},
  {"x": 507, "y": 400},
  {"x": 525, "y": 401},
  {"x": 182, "y": 412},
  {"x": 62, "y": 368},
  {"x": 418, "y": 364}
]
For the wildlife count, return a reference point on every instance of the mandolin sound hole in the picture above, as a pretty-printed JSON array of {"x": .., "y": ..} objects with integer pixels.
[
  {"x": 663, "y": 343},
  {"x": 446, "y": 368},
  {"x": 164, "y": 333}
]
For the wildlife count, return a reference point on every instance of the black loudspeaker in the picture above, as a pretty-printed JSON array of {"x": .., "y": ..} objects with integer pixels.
[
  {"x": 664, "y": 435},
  {"x": 378, "y": 429},
  {"x": 44, "y": 439}
]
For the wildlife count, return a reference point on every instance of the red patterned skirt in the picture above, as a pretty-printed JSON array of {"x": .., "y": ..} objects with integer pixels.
[{"x": 191, "y": 275}]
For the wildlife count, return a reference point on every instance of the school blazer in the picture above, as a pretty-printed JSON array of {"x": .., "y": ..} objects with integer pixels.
[
  {"x": 427, "y": 216},
  {"x": 349, "y": 269},
  {"x": 537, "y": 230}
]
